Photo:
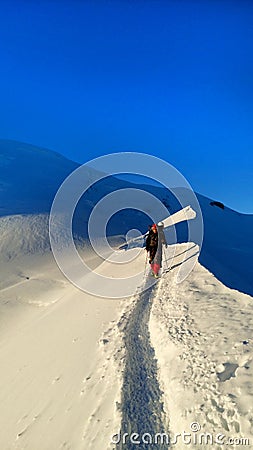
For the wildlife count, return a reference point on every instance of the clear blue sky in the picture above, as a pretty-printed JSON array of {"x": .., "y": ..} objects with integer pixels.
[{"x": 169, "y": 78}]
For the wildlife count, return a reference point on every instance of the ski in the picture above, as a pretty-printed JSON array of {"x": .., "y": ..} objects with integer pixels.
[{"x": 186, "y": 213}]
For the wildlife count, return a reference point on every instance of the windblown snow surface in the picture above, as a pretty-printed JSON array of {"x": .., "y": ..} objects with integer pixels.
[{"x": 153, "y": 371}]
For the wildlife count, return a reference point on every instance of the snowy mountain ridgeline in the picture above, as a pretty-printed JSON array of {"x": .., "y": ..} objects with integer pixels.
[{"x": 30, "y": 177}]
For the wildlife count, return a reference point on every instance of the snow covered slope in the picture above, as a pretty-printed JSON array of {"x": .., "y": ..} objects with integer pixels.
[
  {"x": 227, "y": 249},
  {"x": 70, "y": 371},
  {"x": 30, "y": 177},
  {"x": 202, "y": 334}
]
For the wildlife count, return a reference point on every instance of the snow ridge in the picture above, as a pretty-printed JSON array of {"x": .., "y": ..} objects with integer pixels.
[{"x": 191, "y": 354}]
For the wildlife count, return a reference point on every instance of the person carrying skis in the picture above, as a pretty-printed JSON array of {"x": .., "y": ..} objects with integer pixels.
[{"x": 154, "y": 243}]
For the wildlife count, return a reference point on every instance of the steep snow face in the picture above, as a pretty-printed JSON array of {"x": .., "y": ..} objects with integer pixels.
[
  {"x": 227, "y": 249},
  {"x": 23, "y": 234},
  {"x": 30, "y": 177}
]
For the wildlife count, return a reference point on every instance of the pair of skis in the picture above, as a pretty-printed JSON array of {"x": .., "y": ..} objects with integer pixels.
[{"x": 186, "y": 213}]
